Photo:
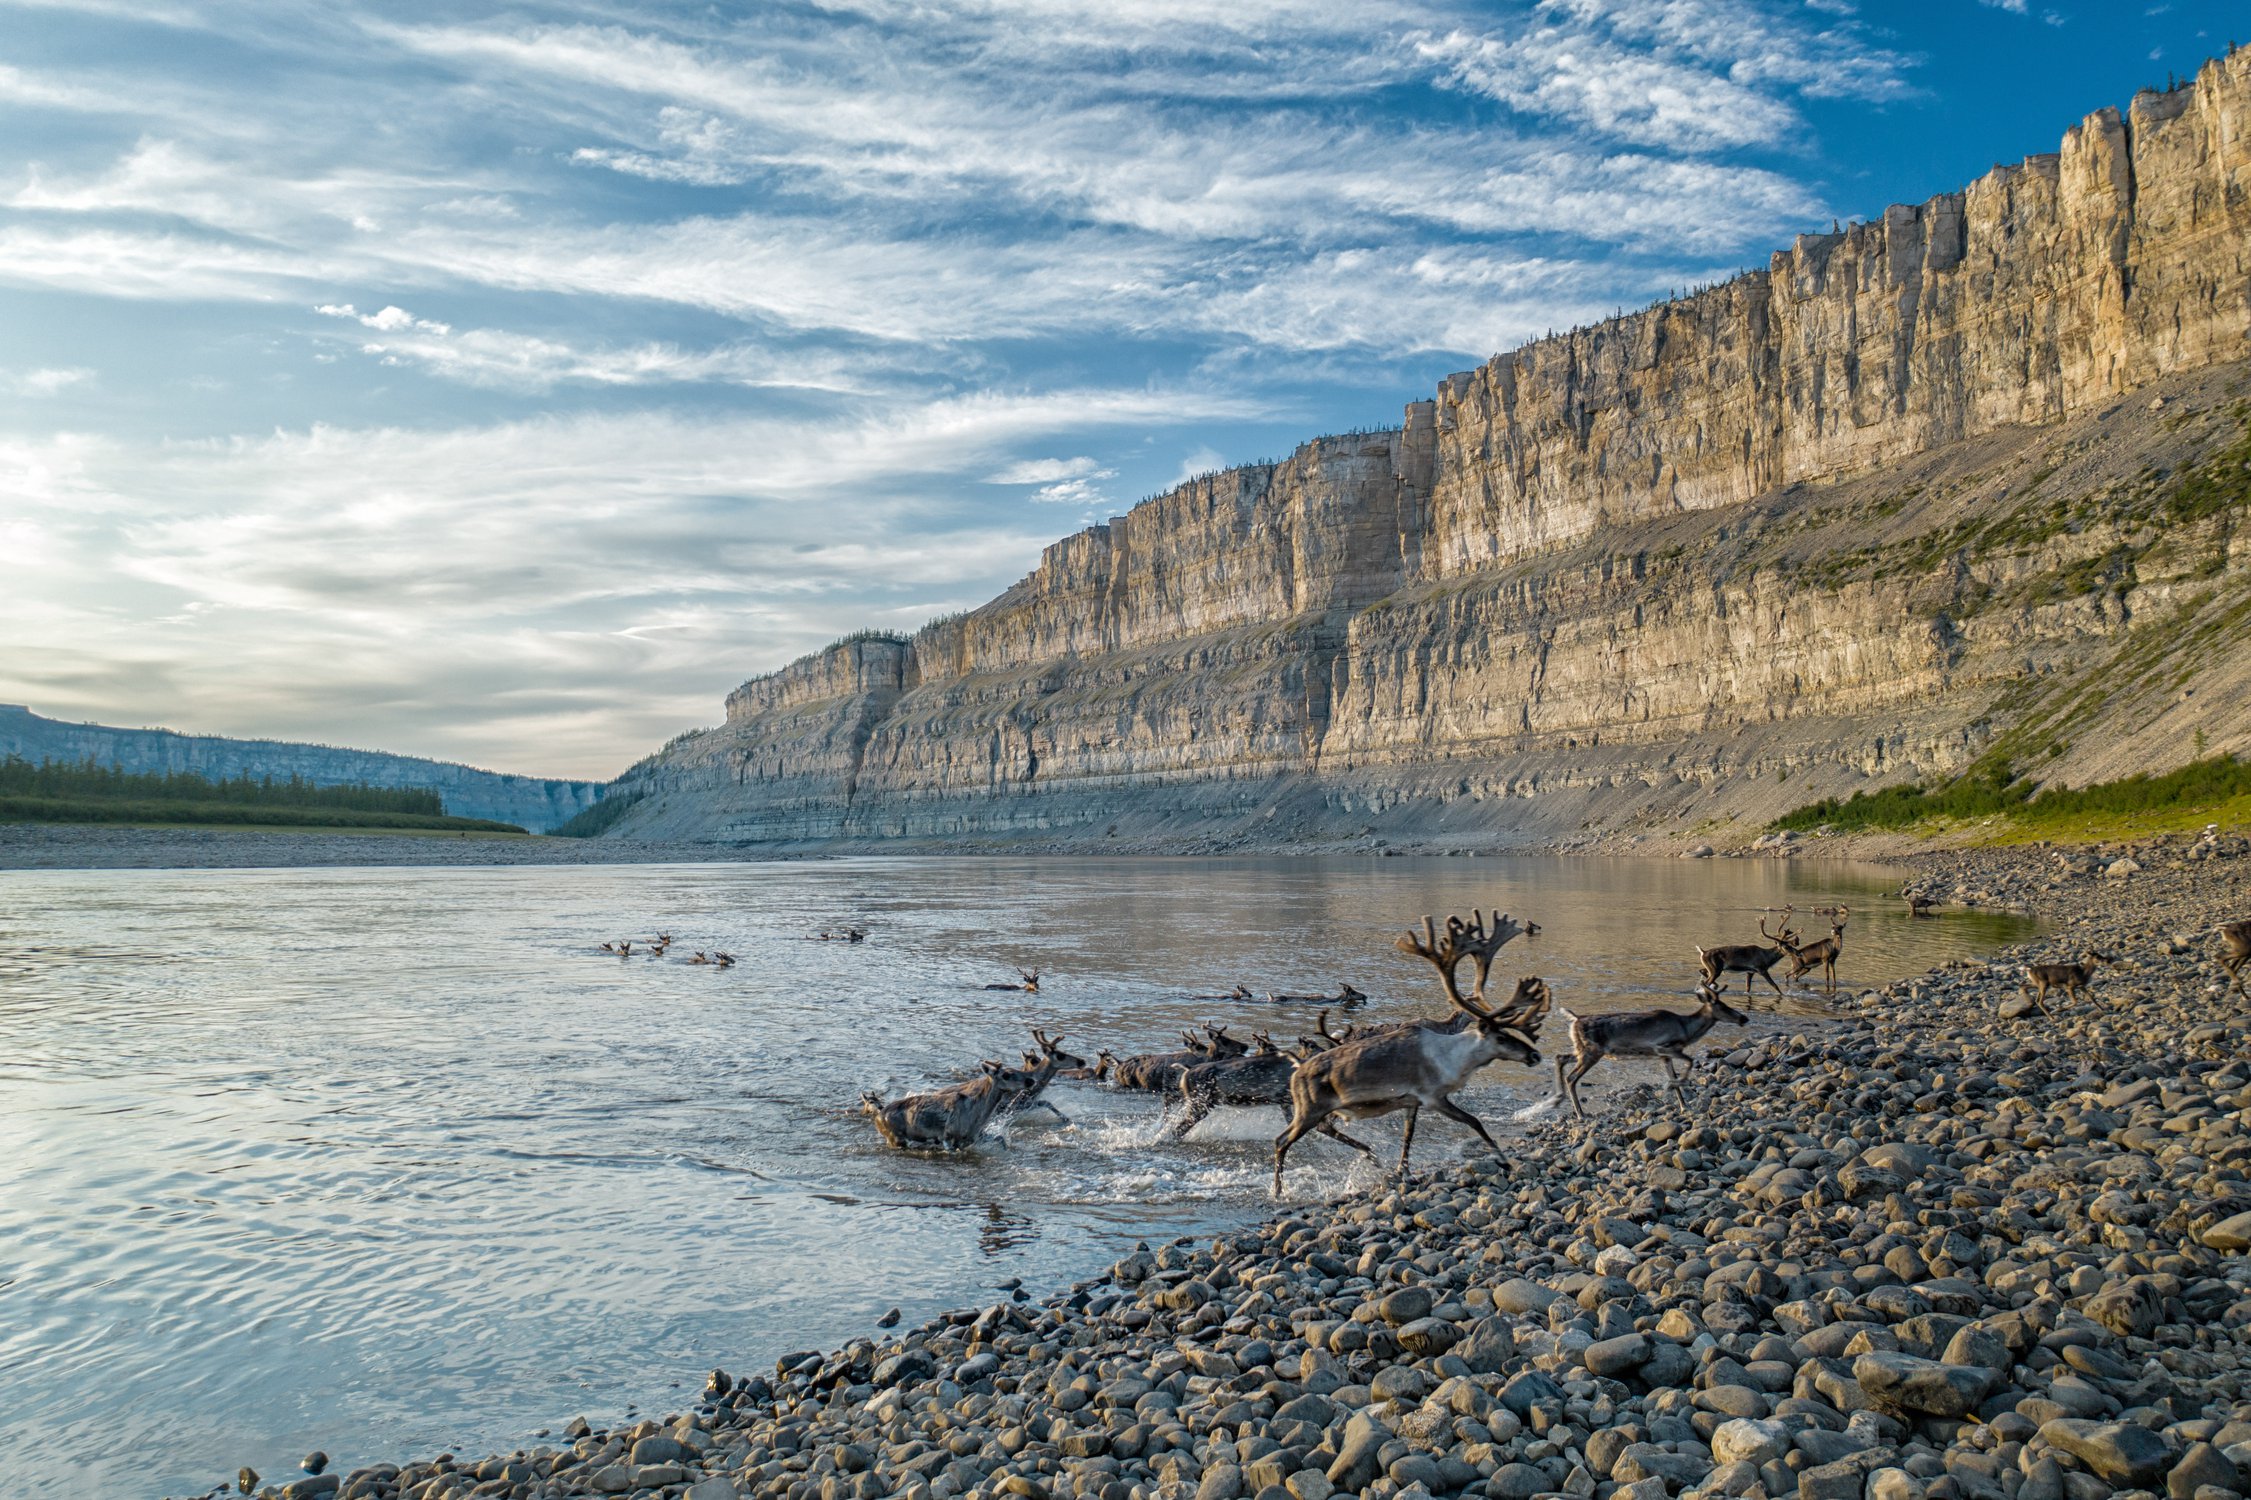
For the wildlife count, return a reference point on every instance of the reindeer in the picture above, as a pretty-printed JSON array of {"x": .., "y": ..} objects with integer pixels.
[
  {"x": 1346, "y": 998},
  {"x": 1030, "y": 984},
  {"x": 1822, "y": 955},
  {"x": 1410, "y": 1067},
  {"x": 1042, "y": 1067},
  {"x": 2236, "y": 940},
  {"x": 948, "y": 1119},
  {"x": 1159, "y": 1072},
  {"x": 2072, "y": 979},
  {"x": 1663, "y": 1034},
  {"x": 723, "y": 960},
  {"x": 1243, "y": 1082},
  {"x": 1748, "y": 959}
]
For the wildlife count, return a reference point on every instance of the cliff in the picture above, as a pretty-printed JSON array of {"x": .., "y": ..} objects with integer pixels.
[
  {"x": 529, "y": 801},
  {"x": 1869, "y": 513}
]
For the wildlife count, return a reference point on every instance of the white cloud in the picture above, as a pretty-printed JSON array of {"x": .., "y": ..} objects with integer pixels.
[
  {"x": 1048, "y": 471},
  {"x": 1204, "y": 460},
  {"x": 44, "y": 382},
  {"x": 606, "y": 572}
]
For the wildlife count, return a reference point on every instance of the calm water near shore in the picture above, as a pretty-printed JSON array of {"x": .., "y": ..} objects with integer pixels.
[{"x": 391, "y": 1161}]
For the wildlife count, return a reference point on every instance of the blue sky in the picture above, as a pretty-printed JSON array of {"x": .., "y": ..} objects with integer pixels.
[{"x": 508, "y": 383}]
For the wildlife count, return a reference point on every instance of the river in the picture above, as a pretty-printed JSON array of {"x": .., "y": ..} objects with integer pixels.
[{"x": 392, "y": 1161}]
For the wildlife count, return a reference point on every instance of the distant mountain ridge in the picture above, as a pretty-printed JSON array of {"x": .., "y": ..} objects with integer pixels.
[{"x": 533, "y": 802}]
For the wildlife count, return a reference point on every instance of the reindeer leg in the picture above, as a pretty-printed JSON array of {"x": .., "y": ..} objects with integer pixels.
[
  {"x": 1768, "y": 976},
  {"x": 1453, "y": 1111},
  {"x": 1579, "y": 1068},
  {"x": 1198, "y": 1110},
  {"x": 1300, "y": 1123},
  {"x": 1673, "y": 1078},
  {"x": 1334, "y": 1134},
  {"x": 1407, "y": 1141}
]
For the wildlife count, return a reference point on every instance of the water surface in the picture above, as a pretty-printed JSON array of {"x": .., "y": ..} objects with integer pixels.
[{"x": 391, "y": 1161}]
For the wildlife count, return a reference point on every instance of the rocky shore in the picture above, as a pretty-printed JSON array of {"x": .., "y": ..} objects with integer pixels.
[{"x": 1938, "y": 1248}]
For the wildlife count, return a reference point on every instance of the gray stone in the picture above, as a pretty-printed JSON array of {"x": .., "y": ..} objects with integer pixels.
[
  {"x": 908, "y": 1367},
  {"x": 1617, "y": 1357},
  {"x": 1415, "y": 1469},
  {"x": 717, "y": 1487},
  {"x": 2117, "y": 1452},
  {"x": 2229, "y": 1234},
  {"x": 1923, "y": 1385},
  {"x": 2202, "y": 1465},
  {"x": 659, "y": 1449},
  {"x": 1220, "y": 1482},
  {"x": 1516, "y": 1482},
  {"x": 1838, "y": 1481},
  {"x": 1523, "y": 1298},
  {"x": 1400, "y": 1383},
  {"x": 1427, "y": 1338},
  {"x": 1406, "y": 1305},
  {"x": 1356, "y": 1467},
  {"x": 1529, "y": 1388},
  {"x": 1746, "y": 1440}
]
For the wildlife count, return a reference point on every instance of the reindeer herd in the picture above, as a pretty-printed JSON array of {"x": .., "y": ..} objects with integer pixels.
[
  {"x": 1364, "y": 1071},
  {"x": 1332, "y": 1077}
]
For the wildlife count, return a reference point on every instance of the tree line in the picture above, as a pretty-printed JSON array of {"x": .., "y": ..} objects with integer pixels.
[{"x": 88, "y": 779}]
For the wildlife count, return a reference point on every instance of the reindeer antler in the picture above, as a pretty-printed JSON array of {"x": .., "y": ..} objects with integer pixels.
[{"x": 1472, "y": 940}]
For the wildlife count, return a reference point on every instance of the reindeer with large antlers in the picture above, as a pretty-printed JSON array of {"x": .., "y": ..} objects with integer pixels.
[
  {"x": 1806, "y": 957},
  {"x": 1029, "y": 982},
  {"x": 1418, "y": 1065},
  {"x": 1663, "y": 1034},
  {"x": 1748, "y": 959}
]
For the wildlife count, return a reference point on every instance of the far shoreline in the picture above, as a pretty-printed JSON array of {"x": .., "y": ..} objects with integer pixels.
[{"x": 51, "y": 846}]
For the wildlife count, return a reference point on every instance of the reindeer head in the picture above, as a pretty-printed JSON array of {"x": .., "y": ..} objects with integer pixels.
[
  {"x": 1051, "y": 1051},
  {"x": 1708, "y": 995},
  {"x": 1223, "y": 1045},
  {"x": 1262, "y": 1045},
  {"x": 1785, "y": 937}
]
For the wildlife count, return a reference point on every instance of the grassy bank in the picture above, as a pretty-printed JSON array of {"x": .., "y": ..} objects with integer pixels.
[
  {"x": 2017, "y": 807},
  {"x": 199, "y": 814}
]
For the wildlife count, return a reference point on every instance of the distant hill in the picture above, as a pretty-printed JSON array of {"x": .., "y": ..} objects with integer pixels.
[{"x": 533, "y": 802}]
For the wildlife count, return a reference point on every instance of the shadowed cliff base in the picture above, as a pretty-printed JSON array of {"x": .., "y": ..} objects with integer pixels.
[{"x": 1968, "y": 480}]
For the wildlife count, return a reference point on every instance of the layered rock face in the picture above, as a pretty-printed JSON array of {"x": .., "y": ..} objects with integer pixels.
[
  {"x": 1853, "y": 516},
  {"x": 529, "y": 802}
]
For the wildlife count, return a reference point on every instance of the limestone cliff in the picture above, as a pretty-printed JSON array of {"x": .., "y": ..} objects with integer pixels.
[
  {"x": 531, "y": 802},
  {"x": 1870, "y": 512}
]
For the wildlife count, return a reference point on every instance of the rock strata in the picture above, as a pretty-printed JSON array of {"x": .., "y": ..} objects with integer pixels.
[
  {"x": 1921, "y": 1251},
  {"x": 1971, "y": 469}
]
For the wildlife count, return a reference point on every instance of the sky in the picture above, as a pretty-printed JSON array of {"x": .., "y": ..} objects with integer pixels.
[{"x": 507, "y": 383}]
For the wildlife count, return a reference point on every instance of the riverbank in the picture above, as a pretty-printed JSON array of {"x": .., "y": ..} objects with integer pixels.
[{"x": 1944, "y": 1248}]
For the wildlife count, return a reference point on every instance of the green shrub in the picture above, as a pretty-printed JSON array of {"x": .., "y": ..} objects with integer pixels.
[{"x": 1998, "y": 790}]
